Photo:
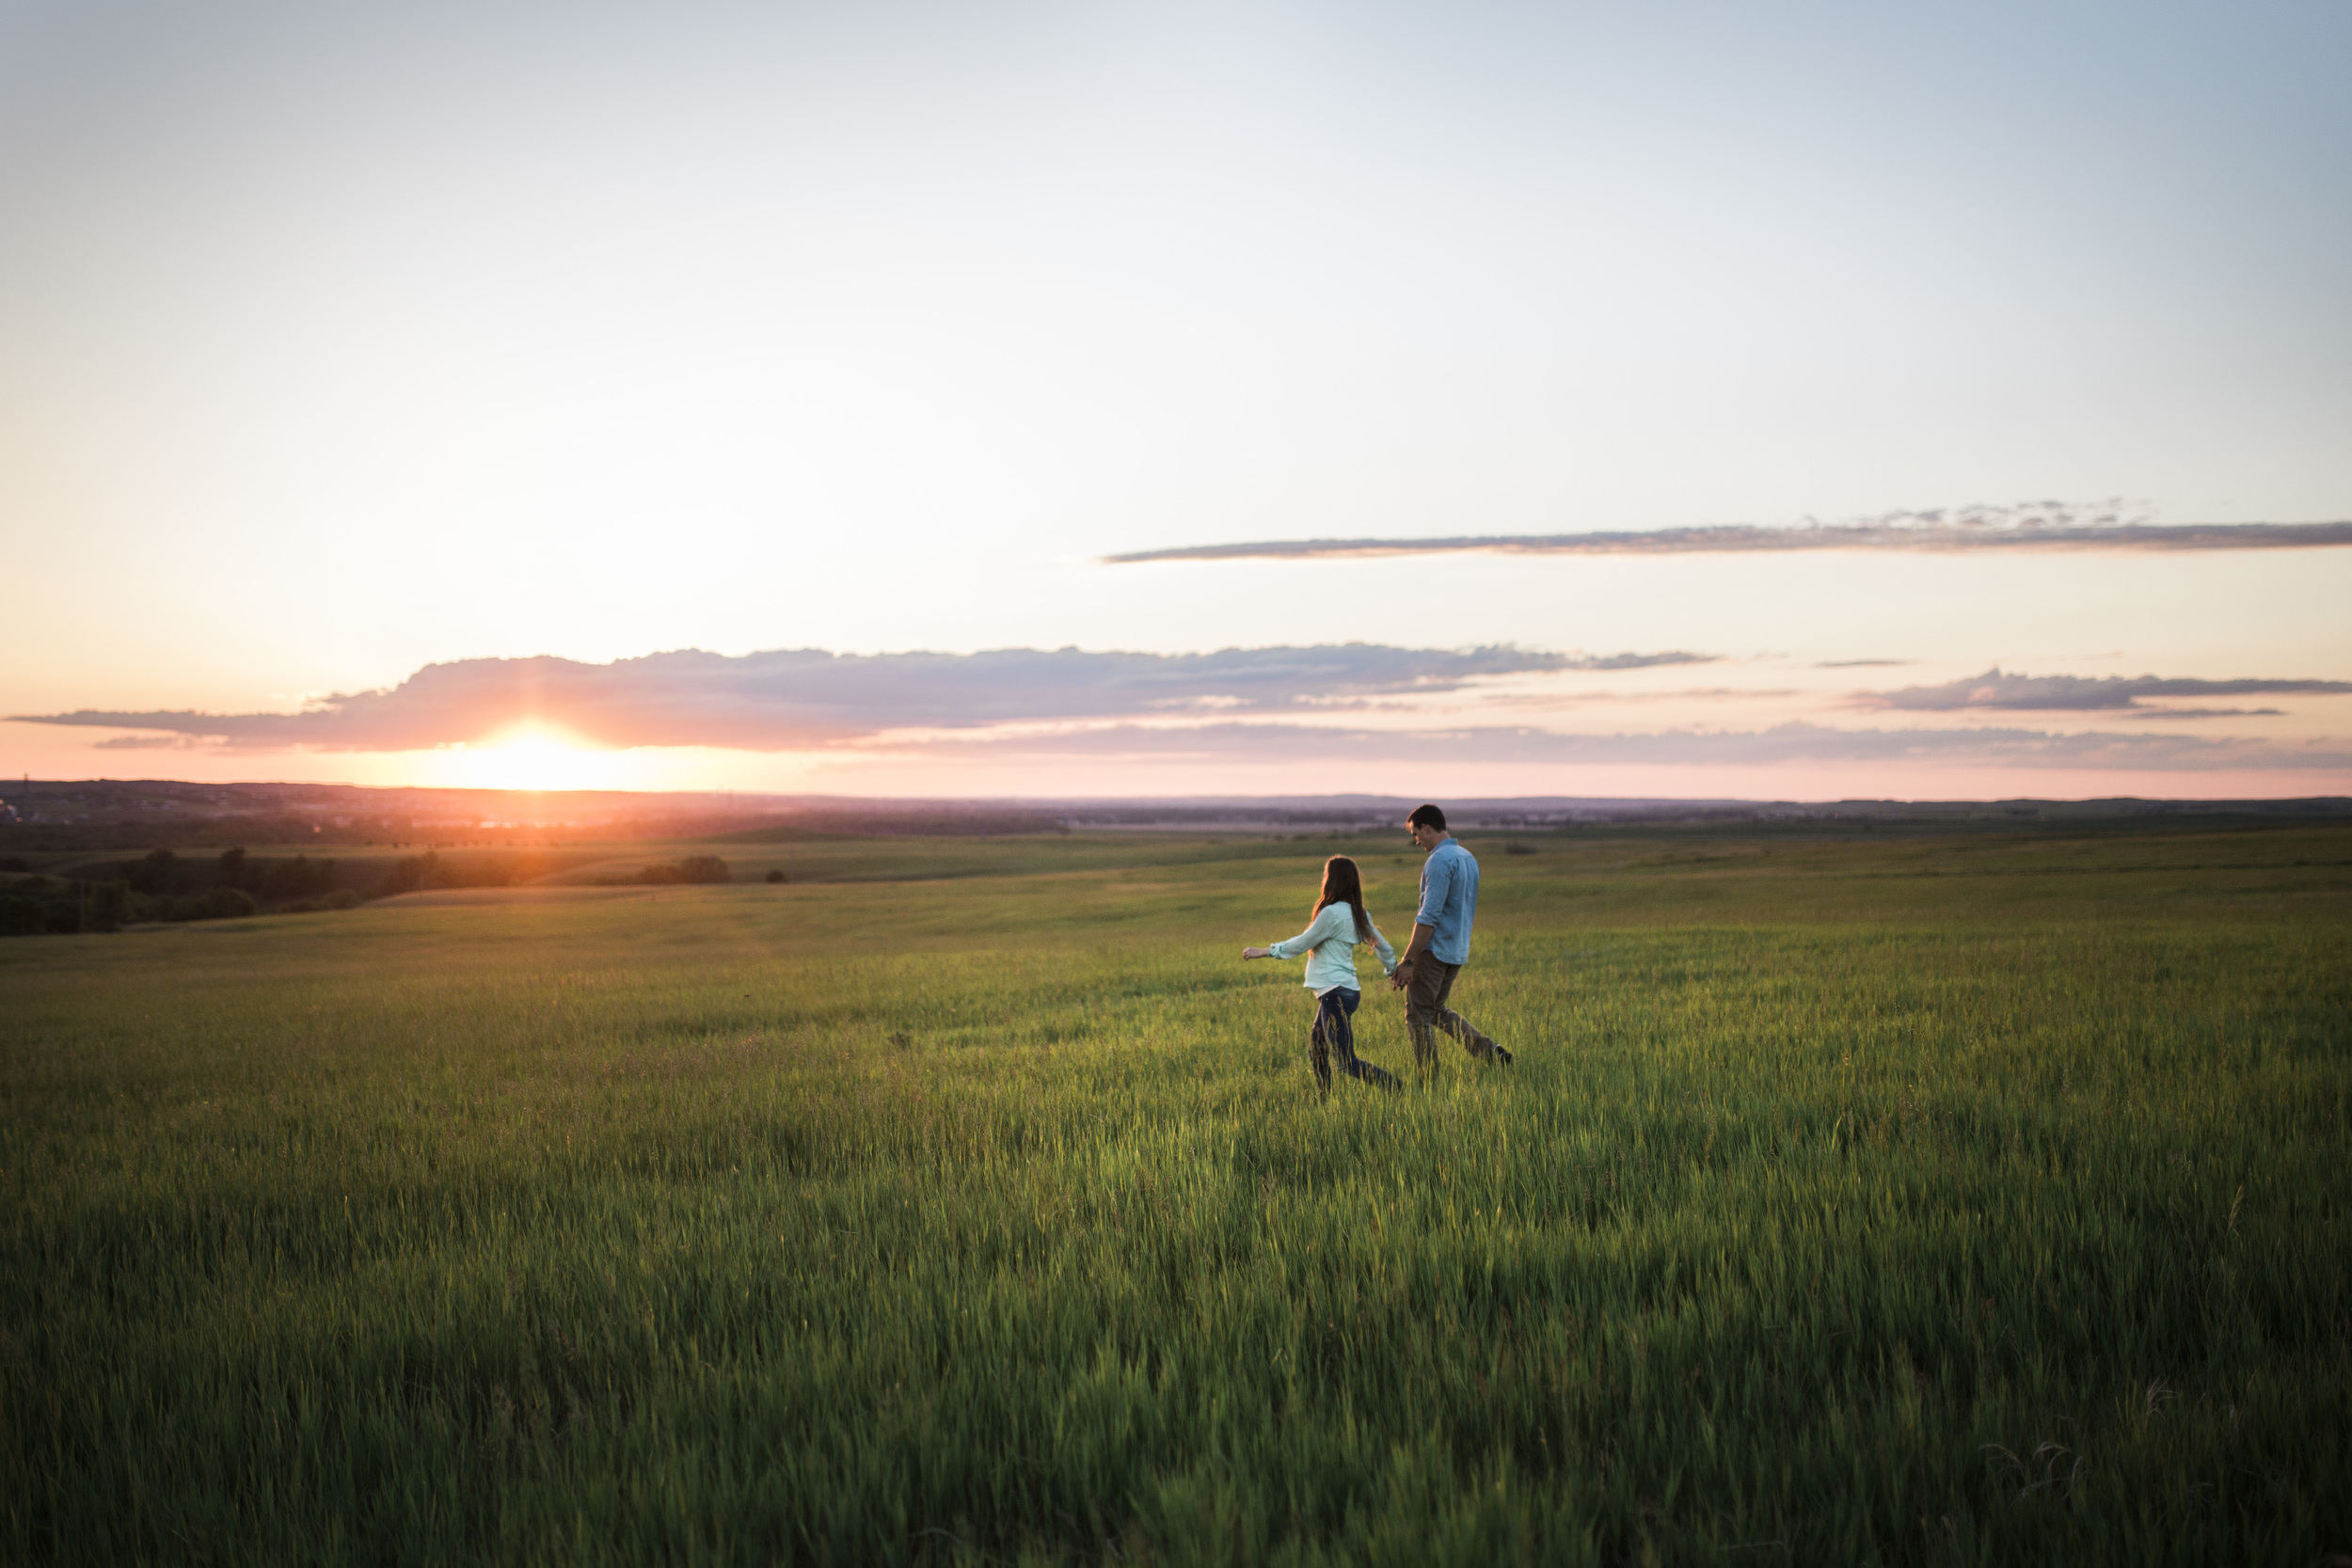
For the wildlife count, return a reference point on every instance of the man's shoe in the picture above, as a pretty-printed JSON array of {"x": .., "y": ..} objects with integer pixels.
[{"x": 1503, "y": 1057}]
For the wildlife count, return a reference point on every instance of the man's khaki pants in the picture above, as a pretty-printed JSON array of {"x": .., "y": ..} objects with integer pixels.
[{"x": 1425, "y": 1013}]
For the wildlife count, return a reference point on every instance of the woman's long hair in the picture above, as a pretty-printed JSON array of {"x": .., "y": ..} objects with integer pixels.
[{"x": 1343, "y": 884}]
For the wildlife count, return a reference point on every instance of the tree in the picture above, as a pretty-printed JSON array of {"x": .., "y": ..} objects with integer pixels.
[
  {"x": 223, "y": 903},
  {"x": 108, "y": 908},
  {"x": 299, "y": 877},
  {"x": 411, "y": 875},
  {"x": 155, "y": 874}
]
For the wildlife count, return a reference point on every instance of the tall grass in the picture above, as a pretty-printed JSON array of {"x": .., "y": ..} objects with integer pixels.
[{"x": 1898, "y": 1203}]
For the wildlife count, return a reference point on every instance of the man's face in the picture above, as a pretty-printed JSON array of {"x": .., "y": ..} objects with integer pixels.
[{"x": 1427, "y": 837}]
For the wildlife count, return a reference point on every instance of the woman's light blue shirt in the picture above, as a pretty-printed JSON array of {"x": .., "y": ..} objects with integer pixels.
[{"x": 1331, "y": 946}]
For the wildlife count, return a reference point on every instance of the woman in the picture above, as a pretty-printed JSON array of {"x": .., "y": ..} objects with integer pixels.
[{"x": 1330, "y": 940}]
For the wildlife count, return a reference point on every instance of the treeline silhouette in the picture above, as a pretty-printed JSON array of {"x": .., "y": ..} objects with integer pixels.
[
  {"x": 693, "y": 868},
  {"x": 166, "y": 886},
  {"x": 163, "y": 886},
  {"x": 976, "y": 823},
  {"x": 742, "y": 826},
  {"x": 418, "y": 873},
  {"x": 202, "y": 831}
]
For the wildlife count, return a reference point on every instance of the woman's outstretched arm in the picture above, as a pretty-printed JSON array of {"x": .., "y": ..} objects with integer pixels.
[{"x": 1319, "y": 930}]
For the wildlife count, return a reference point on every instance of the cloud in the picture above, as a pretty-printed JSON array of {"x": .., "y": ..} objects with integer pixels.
[
  {"x": 1635, "y": 661},
  {"x": 1861, "y": 663},
  {"x": 802, "y": 698},
  {"x": 1998, "y": 690},
  {"x": 1688, "y": 694},
  {"x": 2046, "y": 526},
  {"x": 1783, "y": 743}
]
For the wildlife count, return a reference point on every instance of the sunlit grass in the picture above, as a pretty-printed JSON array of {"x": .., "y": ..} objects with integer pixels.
[{"x": 1918, "y": 1202}]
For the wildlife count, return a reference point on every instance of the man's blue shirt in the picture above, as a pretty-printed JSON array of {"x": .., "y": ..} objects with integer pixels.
[{"x": 1449, "y": 899}]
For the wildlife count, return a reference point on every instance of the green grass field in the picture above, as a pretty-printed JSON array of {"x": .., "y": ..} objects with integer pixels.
[{"x": 1861, "y": 1199}]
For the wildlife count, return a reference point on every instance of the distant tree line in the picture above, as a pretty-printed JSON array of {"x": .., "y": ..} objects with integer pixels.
[
  {"x": 182, "y": 833},
  {"x": 693, "y": 868},
  {"x": 191, "y": 830},
  {"x": 164, "y": 886},
  {"x": 37, "y": 906},
  {"x": 417, "y": 873},
  {"x": 164, "y": 874},
  {"x": 899, "y": 824}
]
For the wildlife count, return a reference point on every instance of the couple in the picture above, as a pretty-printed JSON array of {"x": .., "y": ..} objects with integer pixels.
[{"x": 1440, "y": 945}]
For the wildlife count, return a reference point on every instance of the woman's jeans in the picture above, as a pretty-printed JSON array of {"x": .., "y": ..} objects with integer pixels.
[{"x": 1334, "y": 1036}]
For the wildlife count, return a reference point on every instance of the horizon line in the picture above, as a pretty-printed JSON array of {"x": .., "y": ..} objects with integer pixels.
[
  {"x": 1358, "y": 801},
  {"x": 1746, "y": 538}
]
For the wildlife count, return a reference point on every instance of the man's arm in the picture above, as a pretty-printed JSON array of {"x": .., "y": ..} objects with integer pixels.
[
  {"x": 1436, "y": 886},
  {"x": 1435, "y": 882},
  {"x": 1402, "y": 975}
]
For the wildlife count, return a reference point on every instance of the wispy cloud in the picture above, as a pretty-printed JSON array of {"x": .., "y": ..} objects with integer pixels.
[
  {"x": 2046, "y": 526},
  {"x": 1997, "y": 689},
  {"x": 1783, "y": 743},
  {"x": 795, "y": 699},
  {"x": 150, "y": 742},
  {"x": 1863, "y": 663},
  {"x": 1583, "y": 699}
]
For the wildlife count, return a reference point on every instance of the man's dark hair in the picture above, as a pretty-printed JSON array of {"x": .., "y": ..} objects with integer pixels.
[{"x": 1427, "y": 816}]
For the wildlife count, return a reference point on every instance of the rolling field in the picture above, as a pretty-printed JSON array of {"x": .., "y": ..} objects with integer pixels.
[{"x": 1983, "y": 1198}]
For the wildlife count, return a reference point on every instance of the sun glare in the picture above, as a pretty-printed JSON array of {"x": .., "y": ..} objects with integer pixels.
[{"x": 531, "y": 759}]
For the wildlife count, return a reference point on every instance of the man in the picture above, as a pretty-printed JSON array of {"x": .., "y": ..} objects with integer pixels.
[{"x": 1440, "y": 945}]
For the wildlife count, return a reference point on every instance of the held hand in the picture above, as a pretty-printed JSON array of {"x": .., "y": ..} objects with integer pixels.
[
  {"x": 1257, "y": 952},
  {"x": 1402, "y": 975}
]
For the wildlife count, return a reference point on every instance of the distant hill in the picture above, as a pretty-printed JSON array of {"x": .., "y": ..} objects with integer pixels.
[{"x": 148, "y": 813}]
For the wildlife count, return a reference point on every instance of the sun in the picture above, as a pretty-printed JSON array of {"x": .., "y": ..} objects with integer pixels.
[{"x": 532, "y": 758}]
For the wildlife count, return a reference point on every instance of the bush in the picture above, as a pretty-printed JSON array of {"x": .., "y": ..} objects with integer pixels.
[
  {"x": 299, "y": 877},
  {"x": 109, "y": 907},
  {"x": 342, "y": 898},
  {"x": 35, "y": 905},
  {"x": 693, "y": 868},
  {"x": 774, "y": 877},
  {"x": 219, "y": 903},
  {"x": 156, "y": 875},
  {"x": 411, "y": 875}
]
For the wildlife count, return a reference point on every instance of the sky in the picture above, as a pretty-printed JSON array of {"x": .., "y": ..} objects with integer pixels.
[{"x": 1707, "y": 401}]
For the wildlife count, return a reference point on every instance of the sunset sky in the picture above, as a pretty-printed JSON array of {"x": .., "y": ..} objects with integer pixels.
[{"x": 764, "y": 396}]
